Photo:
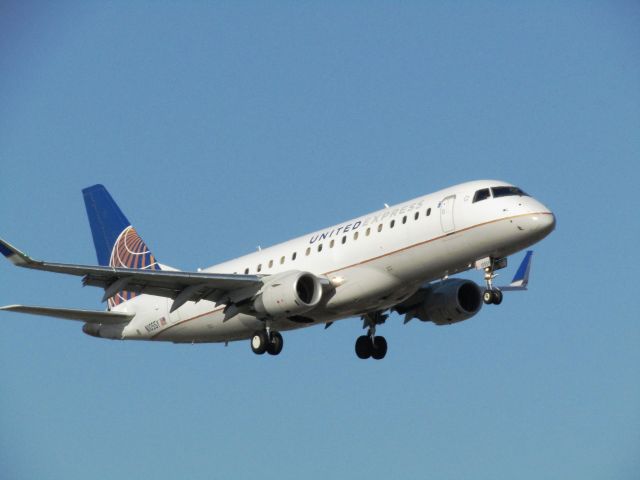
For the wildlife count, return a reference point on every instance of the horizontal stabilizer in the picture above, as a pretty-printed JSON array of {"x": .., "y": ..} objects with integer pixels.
[{"x": 89, "y": 316}]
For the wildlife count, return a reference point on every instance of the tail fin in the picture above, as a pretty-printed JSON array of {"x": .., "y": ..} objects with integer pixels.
[{"x": 117, "y": 242}]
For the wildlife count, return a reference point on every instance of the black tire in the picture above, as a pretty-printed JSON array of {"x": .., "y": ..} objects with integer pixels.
[
  {"x": 259, "y": 342},
  {"x": 379, "y": 348},
  {"x": 363, "y": 347},
  {"x": 497, "y": 297},
  {"x": 487, "y": 297},
  {"x": 275, "y": 345}
]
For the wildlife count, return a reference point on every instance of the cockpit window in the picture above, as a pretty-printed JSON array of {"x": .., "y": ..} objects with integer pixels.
[
  {"x": 481, "y": 195},
  {"x": 507, "y": 191}
]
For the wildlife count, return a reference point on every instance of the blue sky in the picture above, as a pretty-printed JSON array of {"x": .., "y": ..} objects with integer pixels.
[{"x": 220, "y": 126}]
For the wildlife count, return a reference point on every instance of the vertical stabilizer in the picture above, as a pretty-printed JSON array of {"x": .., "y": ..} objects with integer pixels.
[{"x": 117, "y": 242}]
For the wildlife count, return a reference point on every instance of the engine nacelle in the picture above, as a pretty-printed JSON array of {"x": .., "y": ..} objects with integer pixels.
[
  {"x": 451, "y": 301},
  {"x": 113, "y": 332},
  {"x": 288, "y": 294}
]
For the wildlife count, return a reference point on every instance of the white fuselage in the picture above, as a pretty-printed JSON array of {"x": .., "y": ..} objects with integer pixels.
[{"x": 373, "y": 262}]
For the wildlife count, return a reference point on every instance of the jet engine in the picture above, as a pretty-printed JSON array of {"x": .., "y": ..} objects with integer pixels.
[
  {"x": 103, "y": 331},
  {"x": 288, "y": 294},
  {"x": 451, "y": 301}
]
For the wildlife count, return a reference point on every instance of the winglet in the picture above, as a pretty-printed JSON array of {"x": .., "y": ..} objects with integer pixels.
[
  {"x": 521, "y": 278},
  {"x": 14, "y": 255}
]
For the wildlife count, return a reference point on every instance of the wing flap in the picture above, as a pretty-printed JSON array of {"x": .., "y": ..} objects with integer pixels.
[{"x": 88, "y": 316}]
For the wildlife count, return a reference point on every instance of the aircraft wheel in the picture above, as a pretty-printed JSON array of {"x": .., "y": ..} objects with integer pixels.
[
  {"x": 364, "y": 347},
  {"x": 275, "y": 345},
  {"x": 379, "y": 348},
  {"x": 497, "y": 297},
  {"x": 259, "y": 342},
  {"x": 487, "y": 297}
]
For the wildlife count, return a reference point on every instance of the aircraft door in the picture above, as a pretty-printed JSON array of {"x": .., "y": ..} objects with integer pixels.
[{"x": 446, "y": 214}]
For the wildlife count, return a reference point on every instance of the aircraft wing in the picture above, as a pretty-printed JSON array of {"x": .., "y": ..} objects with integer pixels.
[
  {"x": 519, "y": 283},
  {"x": 88, "y": 316},
  {"x": 521, "y": 278},
  {"x": 181, "y": 286}
]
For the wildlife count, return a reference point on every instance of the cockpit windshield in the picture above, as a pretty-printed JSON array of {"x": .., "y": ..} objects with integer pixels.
[
  {"x": 481, "y": 195},
  {"x": 507, "y": 191}
]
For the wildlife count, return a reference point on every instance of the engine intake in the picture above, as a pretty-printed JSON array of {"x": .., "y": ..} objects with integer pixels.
[
  {"x": 451, "y": 301},
  {"x": 289, "y": 293}
]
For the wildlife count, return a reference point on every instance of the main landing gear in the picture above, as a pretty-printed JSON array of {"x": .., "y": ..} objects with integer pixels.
[
  {"x": 370, "y": 345},
  {"x": 492, "y": 294},
  {"x": 266, "y": 341}
]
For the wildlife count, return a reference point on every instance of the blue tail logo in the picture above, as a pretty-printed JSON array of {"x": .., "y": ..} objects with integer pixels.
[{"x": 117, "y": 242}]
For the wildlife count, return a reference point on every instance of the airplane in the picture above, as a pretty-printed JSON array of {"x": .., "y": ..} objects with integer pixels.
[{"x": 397, "y": 259}]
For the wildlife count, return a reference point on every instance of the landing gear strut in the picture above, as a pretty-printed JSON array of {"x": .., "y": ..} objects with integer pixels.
[
  {"x": 370, "y": 345},
  {"x": 267, "y": 341},
  {"x": 492, "y": 294}
]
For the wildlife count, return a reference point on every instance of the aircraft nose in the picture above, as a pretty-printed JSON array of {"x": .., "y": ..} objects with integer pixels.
[
  {"x": 548, "y": 223},
  {"x": 543, "y": 223}
]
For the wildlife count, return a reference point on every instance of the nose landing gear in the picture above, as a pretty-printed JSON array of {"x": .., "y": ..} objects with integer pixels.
[{"x": 493, "y": 295}]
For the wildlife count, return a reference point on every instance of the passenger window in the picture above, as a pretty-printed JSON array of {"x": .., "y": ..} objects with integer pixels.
[
  {"x": 404, "y": 219},
  {"x": 281, "y": 260},
  {"x": 344, "y": 239},
  {"x": 428, "y": 211},
  {"x": 319, "y": 247},
  {"x": 332, "y": 243},
  {"x": 355, "y": 235},
  {"x": 417, "y": 214},
  {"x": 293, "y": 256},
  {"x": 270, "y": 263},
  {"x": 392, "y": 223},
  {"x": 368, "y": 231},
  {"x": 246, "y": 271},
  {"x": 380, "y": 227},
  {"x": 308, "y": 251},
  {"x": 481, "y": 195},
  {"x": 259, "y": 267}
]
